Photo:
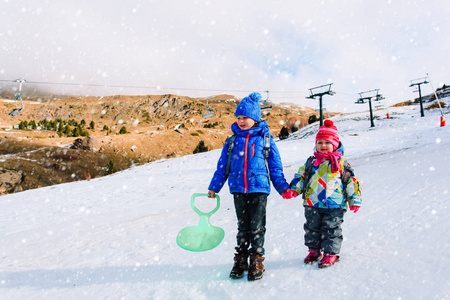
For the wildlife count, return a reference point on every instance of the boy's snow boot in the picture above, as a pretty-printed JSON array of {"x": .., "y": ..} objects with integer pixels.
[
  {"x": 240, "y": 266},
  {"x": 328, "y": 260},
  {"x": 313, "y": 256},
  {"x": 256, "y": 269}
]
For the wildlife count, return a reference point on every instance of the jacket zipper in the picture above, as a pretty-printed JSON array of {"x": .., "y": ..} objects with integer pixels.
[{"x": 245, "y": 164}]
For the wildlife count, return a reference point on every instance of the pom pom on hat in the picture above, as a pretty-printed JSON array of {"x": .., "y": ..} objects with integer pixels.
[
  {"x": 329, "y": 133},
  {"x": 250, "y": 107},
  {"x": 328, "y": 123}
]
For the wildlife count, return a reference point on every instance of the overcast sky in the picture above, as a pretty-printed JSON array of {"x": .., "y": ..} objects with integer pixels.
[{"x": 203, "y": 48}]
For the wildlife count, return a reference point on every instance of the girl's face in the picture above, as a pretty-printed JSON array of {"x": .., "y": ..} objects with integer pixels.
[
  {"x": 324, "y": 146},
  {"x": 245, "y": 122}
]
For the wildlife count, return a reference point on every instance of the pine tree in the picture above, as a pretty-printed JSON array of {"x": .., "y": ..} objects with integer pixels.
[
  {"x": 22, "y": 125},
  {"x": 66, "y": 130},
  {"x": 76, "y": 131},
  {"x": 33, "y": 124},
  {"x": 111, "y": 168}
]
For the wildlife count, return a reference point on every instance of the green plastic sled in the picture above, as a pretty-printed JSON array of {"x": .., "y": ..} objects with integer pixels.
[{"x": 204, "y": 236}]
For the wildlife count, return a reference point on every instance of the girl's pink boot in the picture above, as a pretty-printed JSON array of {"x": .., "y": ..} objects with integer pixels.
[
  {"x": 328, "y": 260},
  {"x": 313, "y": 256}
]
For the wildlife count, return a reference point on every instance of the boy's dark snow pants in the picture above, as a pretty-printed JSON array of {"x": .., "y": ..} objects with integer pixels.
[
  {"x": 251, "y": 216},
  {"x": 323, "y": 228}
]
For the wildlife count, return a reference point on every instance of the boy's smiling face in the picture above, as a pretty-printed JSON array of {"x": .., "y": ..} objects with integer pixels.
[
  {"x": 245, "y": 122},
  {"x": 324, "y": 146}
]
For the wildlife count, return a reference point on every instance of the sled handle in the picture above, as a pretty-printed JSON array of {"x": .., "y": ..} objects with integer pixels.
[{"x": 195, "y": 195}]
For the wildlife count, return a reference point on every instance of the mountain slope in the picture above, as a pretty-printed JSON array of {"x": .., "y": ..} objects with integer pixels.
[
  {"x": 156, "y": 126},
  {"x": 114, "y": 237}
]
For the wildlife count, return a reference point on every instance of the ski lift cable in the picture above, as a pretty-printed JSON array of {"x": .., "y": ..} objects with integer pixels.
[
  {"x": 173, "y": 88},
  {"x": 156, "y": 87},
  {"x": 131, "y": 86},
  {"x": 150, "y": 87},
  {"x": 435, "y": 94}
]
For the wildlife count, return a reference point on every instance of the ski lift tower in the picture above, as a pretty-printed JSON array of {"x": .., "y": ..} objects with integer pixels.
[
  {"x": 320, "y": 91},
  {"x": 369, "y": 96},
  {"x": 266, "y": 103},
  {"x": 418, "y": 82},
  {"x": 208, "y": 112},
  {"x": 17, "y": 110}
]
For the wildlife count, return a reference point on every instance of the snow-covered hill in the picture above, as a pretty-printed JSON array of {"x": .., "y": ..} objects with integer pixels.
[{"x": 114, "y": 237}]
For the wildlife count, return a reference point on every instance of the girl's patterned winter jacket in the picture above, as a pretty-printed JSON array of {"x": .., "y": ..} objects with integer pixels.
[
  {"x": 248, "y": 171},
  {"x": 325, "y": 188}
]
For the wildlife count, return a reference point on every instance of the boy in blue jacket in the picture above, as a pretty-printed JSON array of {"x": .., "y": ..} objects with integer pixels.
[{"x": 249, "y": 182}]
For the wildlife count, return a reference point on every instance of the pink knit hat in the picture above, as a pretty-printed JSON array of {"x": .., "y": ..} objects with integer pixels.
[{"x": 329, "y": 132}]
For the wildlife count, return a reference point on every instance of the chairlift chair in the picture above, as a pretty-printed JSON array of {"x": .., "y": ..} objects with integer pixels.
[
  {"x": 379, "y": 105},
  {"x": 266, "y": 103},
  {"x": 379, "y": 101},
  {"x": 317, "y": 109},
  {"x": 208, "y": 112},
  {"x": 17, "y": 110}
]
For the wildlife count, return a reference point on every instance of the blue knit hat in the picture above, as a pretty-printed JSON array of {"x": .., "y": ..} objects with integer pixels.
[{"x": 250, "y": 107}]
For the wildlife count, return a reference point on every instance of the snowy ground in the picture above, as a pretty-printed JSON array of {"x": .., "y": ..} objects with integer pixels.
[{"x": 114, "y": 237}]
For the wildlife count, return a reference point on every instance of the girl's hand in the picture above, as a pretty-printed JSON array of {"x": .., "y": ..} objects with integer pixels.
[
  {"x": 354, "y": 208},
  {"x": 288, "y": 194},
  {"x": 211, "y": 194}
]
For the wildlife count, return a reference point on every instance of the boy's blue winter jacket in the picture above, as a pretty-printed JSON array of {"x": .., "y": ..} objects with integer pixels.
[{"x": 248, "y": 171}]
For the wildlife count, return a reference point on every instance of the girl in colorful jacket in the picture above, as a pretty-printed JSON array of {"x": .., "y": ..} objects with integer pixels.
[
  {"x": 325, "y": 199},
  {"x": 249, "y": 182}
]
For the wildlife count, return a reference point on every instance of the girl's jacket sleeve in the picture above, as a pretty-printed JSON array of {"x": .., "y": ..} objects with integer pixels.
[
  {"x": 353, "y": 190},
  {"x": 298, "y": 181},
  {"x": 219, "y": 177},
  {"x": 276, "y": 169}
]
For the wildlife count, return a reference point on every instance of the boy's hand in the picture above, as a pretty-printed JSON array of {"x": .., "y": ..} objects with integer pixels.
[
  {"x": 288, "y": 194},
  {"x": 211, "y": 194},
  {"x": 354, "y": 208}
]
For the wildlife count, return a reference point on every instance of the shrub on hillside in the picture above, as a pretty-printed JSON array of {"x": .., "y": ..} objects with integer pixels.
[
  {"x": 123, "y": 130},
  {"x": 284, "y": 133},
  {"x": 201, "y": 147},
  {"x": 312, "y": 119}
]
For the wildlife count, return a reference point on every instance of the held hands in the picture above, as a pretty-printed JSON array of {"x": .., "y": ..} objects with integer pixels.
[
  {"x": 354, "y": 208},
  {"x": 211, "y": 194},
  {"x": 288, "y": 194}
]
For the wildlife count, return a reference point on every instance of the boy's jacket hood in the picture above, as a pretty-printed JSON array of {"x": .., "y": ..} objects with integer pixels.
[{"x": 261, "y": 129}]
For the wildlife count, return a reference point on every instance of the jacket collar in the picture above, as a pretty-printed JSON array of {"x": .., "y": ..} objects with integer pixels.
[{"x": 261, "y": 129}]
